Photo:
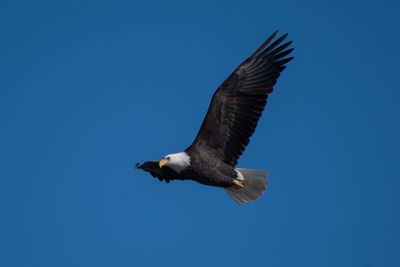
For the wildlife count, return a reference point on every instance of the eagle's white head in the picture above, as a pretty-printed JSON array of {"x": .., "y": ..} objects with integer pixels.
[{"x": 178, "y": 161}]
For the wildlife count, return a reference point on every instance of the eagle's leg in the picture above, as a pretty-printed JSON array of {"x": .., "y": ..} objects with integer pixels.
[{"x": 237, "y": 184}]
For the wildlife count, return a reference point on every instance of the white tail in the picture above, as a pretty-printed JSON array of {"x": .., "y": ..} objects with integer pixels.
[{"x": 254, "y": 184}]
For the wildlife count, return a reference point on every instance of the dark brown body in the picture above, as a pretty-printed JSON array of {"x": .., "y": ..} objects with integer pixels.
[{"x": 212, "y": 171}]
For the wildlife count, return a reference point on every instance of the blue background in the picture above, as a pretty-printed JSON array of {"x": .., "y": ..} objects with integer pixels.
[{"x": 87, "y": 89}]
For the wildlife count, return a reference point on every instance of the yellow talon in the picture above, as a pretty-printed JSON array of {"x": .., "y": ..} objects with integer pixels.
[{"x": 237, "y": 184}]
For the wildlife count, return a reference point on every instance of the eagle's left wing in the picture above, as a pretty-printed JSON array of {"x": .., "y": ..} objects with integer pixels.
[{"x": 153, "y": 168}]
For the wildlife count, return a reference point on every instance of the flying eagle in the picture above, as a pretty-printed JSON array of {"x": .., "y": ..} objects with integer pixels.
[{"x": 230, "y": 121}]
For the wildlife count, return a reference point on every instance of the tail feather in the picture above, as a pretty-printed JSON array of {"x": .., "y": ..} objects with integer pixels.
[{"x": 254, "y": 184}]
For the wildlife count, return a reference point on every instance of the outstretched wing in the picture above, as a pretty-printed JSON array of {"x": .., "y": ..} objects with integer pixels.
[
  {"x": 165, "y": 173},
  {"x": 238, "y": 103}
]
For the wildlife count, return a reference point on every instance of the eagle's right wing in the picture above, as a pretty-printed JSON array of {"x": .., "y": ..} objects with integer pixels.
[{"x": 238, "y": 103}]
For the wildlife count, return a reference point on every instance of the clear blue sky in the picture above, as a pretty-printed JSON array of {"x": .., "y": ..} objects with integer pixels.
[{"x": 88, "y": 89}]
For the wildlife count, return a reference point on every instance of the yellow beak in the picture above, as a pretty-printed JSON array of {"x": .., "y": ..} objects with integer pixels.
[{"x": 162, "y": 162}]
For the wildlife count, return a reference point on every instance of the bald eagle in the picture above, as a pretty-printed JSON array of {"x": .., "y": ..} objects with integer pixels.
[{"x": 231, "y": 119}]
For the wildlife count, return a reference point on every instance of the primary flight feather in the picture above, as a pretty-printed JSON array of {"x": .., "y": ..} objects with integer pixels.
[{"x": 230, "y": 121}]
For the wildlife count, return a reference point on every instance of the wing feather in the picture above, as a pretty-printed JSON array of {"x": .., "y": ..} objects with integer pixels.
[
  {"x": 239, "y": 102},
  {"x": 165, "y": 173}
]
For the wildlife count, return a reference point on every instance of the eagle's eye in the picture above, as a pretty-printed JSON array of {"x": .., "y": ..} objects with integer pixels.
[{"x": 168, "y": 158}]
